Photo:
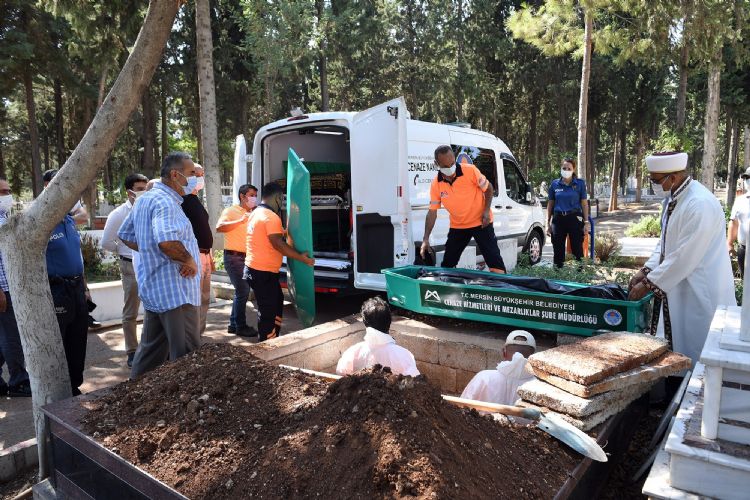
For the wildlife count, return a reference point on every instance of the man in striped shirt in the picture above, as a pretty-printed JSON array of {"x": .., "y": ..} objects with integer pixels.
[{"x": 168, "y": 275}]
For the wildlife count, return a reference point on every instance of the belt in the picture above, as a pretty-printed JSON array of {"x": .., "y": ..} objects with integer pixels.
[
  {"x": 234, "y": 252},
  {"x": 205, "y": 250},
  {"x": 569, "y": 212},
  {"x": 60, "y": 280},
  {"x": 126, "y": 259}
]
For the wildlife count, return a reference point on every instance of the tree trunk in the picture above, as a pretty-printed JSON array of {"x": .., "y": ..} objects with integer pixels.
[
  {"x": 746, "y": 134},
  {"x": 711, "y": 130},
  {"x": 36, "y": 162},
  {"x": 639, "y": 149},
  {"x": 591, "y": 158},
  {"x": 2, "y": 160},
  {"x": 45, "y": 148},
  {"x": 164, "y": 127},
  {"x": 459, "y": 62},
  {"x": 322, "y": 62},
  {"x": 583, "y": 103},
  {"x": 59, "y": 133},
  {"x": 732, "y": 157},
  {"x": 615, "y": 176},
  {"x": 532, "y": 143},
  {"x": 207, "y": 94},
  {"x": 682, "y": 86},
  {"x": 23, "y": 239},
  {"x": 149, "y": 134}
]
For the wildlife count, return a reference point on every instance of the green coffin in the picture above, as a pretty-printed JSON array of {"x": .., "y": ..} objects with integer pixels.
[{"x": 300, "y": 277}]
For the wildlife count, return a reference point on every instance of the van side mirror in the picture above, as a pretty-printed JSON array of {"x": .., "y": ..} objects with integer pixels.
[{"x": 528, "y": 196}]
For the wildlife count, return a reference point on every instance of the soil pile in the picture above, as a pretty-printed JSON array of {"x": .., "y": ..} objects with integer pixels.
[{"x": 222, "y": 424}]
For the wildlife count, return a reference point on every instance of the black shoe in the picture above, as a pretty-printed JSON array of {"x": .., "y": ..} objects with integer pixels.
[
  {"x": 131, "y": 356},
  {"x": 247, "y": 331},
  {"x": 231, "y": 329},
  {"x": 94, "y": 324},
  {"x": 22, "y": 390},
  {"x": 3, "y": 389},
  {"x": 77, "y": 392}
]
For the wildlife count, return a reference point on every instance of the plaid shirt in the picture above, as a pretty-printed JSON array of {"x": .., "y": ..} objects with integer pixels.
[
  {"x": 3, "y": 279},
  {"x": 158, "y": 217}
]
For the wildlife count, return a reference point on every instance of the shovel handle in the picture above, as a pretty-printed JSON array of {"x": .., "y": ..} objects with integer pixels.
[{"x": 515, "y": 411}]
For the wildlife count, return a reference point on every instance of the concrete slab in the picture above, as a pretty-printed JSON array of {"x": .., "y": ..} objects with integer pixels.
[
  {"x": 544, "y": 394},
  {"x": 597, "y": 358},
  {"x": 669, "y": 364}
]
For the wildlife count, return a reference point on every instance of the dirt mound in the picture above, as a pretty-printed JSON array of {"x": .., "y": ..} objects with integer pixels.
[{"x": 222, "y": 424}]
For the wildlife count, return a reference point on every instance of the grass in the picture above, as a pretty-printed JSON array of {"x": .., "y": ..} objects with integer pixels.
[{"x": 649, "y": 226}]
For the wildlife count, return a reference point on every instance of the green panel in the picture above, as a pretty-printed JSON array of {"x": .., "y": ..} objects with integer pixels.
[
  {"x": 300, "y": 277},
  {"x": 544, "y": 311}
]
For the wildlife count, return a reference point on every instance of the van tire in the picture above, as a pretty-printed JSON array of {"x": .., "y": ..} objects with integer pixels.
[{"x": 534, "y": 246}]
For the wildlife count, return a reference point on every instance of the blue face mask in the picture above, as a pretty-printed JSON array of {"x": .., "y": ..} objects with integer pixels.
[{"x": 191, "y": 185}]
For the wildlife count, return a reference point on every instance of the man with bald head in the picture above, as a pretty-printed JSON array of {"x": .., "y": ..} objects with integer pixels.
[{"x": 198, "y": 217}]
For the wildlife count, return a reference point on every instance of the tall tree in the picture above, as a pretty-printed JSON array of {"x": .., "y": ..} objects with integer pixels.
[
  {"x": 207, "y": 92},
  {"x": 24, "y": 238}
]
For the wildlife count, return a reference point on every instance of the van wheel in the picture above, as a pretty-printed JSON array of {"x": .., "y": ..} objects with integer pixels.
[{"x": 534, "y": 246}]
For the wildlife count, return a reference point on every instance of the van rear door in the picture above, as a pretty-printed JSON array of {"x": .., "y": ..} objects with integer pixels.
[{"x": 380, "y": 200}]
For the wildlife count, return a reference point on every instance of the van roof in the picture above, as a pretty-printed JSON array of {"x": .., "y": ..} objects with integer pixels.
[{"x": 349, "y": 115}]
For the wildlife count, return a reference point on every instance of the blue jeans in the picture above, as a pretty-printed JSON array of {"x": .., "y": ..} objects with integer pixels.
[
  {"x": 234, "y": 264},
  {"x": 10, "y": 345}
]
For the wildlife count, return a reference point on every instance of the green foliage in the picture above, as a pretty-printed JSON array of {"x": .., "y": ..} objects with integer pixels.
[
  {"x": 673, "y": 140},
  {"x": 91, "y": 252},
  {"x": 648, "y": 226},
  {"x": 606, "y": 247},
  {"x": 738, "y": 290},
  {"x": 577, "y": 272},
  {"x": 219, "y": 260}
]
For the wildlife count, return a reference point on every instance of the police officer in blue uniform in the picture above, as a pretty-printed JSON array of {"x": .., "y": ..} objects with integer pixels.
[
  {"x": 567, "y": 212},
  {"x": 69, "y": 290}
]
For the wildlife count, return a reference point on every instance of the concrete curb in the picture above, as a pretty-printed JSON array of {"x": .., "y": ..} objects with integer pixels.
[{"x": 17, "y": 459}]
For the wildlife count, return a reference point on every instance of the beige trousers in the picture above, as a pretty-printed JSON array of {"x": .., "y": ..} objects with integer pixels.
[
  {"x": 130, "y": 308},
  {"x": 207, "y": 264}
]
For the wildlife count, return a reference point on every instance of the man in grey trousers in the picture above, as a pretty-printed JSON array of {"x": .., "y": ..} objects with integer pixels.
[
  {"x": 135, "y": 185},
  {"x": 167, "y": 272}
]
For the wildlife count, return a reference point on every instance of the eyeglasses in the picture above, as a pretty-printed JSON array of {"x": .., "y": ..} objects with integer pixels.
[{"x": 659, "y": 181}]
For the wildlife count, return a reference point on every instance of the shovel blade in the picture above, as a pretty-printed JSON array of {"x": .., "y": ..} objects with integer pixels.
[{"x": 572, "y": 436}]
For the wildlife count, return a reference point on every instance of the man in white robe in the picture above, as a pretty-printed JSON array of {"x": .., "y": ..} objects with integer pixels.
[
  {"x": 377, "y": 348},
  {"x": 689, "y": 271},
  {"x": 500, "y": 385}
]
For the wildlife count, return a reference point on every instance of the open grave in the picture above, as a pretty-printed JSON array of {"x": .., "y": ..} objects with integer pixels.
[{"x": 226, "y": 422}]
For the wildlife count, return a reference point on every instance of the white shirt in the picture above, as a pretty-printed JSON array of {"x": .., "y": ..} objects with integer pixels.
[
  {"x": 377, "y": 348},
  {"x": 500, "y": 385},
  {"x": 110, "y": 240},
  {"x": 696, "y": 273},
  {"x": 741, "y": 213}
]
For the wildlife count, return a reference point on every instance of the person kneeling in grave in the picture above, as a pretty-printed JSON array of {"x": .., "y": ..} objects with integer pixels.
[
  {"x": 377, "y": 348},
  {"x": 500, "y": 385}
]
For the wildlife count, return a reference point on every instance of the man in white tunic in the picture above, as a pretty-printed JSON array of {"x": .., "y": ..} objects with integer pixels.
[
  {"x": 501, "y": 384},
  {"x": 377, "y": 348},
  {"x": 689, "y": 271}
]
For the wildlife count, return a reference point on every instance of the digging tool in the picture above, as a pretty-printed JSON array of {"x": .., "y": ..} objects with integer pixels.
[{"x": 551, "y": 424}]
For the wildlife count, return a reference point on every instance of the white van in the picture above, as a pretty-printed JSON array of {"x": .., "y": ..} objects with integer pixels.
[{"x": 370, "y": 181}]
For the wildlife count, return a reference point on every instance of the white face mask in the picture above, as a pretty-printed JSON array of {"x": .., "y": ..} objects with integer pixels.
[
  {"x": 566, "y": 174},
  {"x": 251, "y": 202},
  {"x": 201, "y": 183},
  {"x": 448, "y": 171},
  {"x": 6, "y": 203},
  {"x": 659, "y": 190},
  {"x": 746, "y": 182}
]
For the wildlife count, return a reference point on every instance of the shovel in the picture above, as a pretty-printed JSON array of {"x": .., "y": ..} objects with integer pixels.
[{"x": 551, "y": 424}]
